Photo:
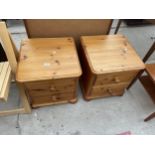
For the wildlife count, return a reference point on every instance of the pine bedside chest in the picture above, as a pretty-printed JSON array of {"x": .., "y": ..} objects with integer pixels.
[
  {"x": 49, "y": 69},
  {"x": 109, "y": 64}
]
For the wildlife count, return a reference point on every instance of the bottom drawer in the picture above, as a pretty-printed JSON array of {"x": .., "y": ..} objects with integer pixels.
[
  {"x": 109, "y": 90},
  {"x": 53, "y": 99}
]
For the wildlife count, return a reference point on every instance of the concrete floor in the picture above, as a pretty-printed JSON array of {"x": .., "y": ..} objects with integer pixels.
[{"x": 112, "y": 115}]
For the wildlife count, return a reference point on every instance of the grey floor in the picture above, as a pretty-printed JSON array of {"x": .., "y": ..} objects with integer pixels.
[{"x": 112, "y": 115}]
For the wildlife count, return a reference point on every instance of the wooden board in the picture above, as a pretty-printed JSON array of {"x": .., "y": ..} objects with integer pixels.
[
  {"x": 45, "y": 28},
  {"x": 149, "y": 86},
  {"x": 110, "y": 53},
  {"x": 115, "y": 78},
  {"x": 150, "y": 69},
  {"x": 54, "y": 103},
  {"x": 8, "y": 48},
  {"x": 47, "y": 59},
  {"x": 5, "y": 80}
]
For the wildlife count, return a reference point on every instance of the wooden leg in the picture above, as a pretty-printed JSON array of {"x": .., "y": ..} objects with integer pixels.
[
  {"x": 149, "y": 53},
  {"x": 24, "y": 99},
  {"x": 118, "y": 26},
  {"x": 146, "y": 57},
  {"x": 12, "y": 112},
  {"x": 73, "y": 101},
  {"x": 149, "y": 117},
  {"x": 86, "y": 98},
  {"x": 135, "y": 79},
  {"x": 26, "y": 106},
  {"x": 14, "y": 47}
]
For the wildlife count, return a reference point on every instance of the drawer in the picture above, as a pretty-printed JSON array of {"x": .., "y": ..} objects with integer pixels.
[
  {"x": 50, "y": 87},
  {"x": 109, "y": 90},
  {"x": 46, "y": 92},
  {"x": 115, "y": 78},
  {"x": 53, "y": 99}
]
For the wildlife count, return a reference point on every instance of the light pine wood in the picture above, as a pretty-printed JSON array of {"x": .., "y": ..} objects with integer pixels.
[
  {"x": 14, "y": 47},
  {"x": 7, "y": 45},
  {"x": 12, "y": 112},
  {"x": 110, "y": 53},
  {"x": 54, "y": 99},
  {"x": 49, "y": 103},
  {"x": 50, "y": 92},
  {"x": 49, "y": 84},
  {"x": 44, "y": 59},
  {"x": 109, "y": 64},
  {"x": 5, "y": 73},
  {"x": 108, "y": 90},
  {"x": 115, "y": 78},
  {"x": 5, "y": 80},
  {"x": 25, "y": 102},
  {"x": 49, "y": 70}
]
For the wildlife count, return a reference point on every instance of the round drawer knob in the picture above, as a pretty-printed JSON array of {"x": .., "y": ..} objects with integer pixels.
[
  {"x": 116, "y": 79},
  {"x": 110, "y": 91},
  {"x": 52, "y": 88},
  {"x": 54, "y": 98}
]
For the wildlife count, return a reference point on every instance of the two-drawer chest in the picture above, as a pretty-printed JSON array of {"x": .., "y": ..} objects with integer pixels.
[
  {"x": 49, "y": 70},
  {"x": 109, "y": 64}
]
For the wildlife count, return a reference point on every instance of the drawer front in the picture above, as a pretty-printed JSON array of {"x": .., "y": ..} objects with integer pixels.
[
  {"x": 50, "y": 87},
  {"x": 53, "y": 99},
  {"x": 109, "y": 90},
  {"x": 115, "y": 78}
]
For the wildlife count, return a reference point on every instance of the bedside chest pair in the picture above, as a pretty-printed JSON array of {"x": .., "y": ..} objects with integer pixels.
[{"x": 49, "y": 68}]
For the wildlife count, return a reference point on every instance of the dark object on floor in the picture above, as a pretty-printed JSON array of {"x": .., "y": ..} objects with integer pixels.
[
  {"x": 134, "y": 22},
  {"x": 125, "y": 133},
  {"x": 2, "y": 54},
  {"x": 148, "y": 81},
  {"x": 149, "y": 117}
]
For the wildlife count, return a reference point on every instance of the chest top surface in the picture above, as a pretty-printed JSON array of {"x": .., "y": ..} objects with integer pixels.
[
  {"x": 110, "y": 53},
  {"x": 45, "y": 59}
]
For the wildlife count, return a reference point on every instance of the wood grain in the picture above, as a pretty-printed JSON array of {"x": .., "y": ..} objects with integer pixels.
[
  {"x": 108, "y": 90},
  {"x": 111, "y": 53},
  {"x": 115, "y": 78},
  {"x": 49, "y": 70},
  {"x": 53, "y": 99},
  {"x": 9, "y": 48},
  {"x": 44, "y": 59},
  {"x": 109, "y": 63},
  {"x": 5, "y": 80}
]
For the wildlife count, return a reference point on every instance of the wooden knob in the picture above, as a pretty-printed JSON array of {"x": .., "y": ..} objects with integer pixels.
[
  {"x": 110, "y": 91},
  {"x": 54, "y": 98},
  {"x": 116, "y": 79},
  {"x": 52, "y": 88}
]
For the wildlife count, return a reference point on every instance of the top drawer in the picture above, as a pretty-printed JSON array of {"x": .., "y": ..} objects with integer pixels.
[
  {"x": 114, "y": 78},
  {"x": 53, "y": 85}
]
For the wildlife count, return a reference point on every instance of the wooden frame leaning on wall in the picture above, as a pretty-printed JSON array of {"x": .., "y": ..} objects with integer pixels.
[{"x": 12, "y": 55}]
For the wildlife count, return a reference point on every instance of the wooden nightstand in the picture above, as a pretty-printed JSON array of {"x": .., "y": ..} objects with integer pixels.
[
  {"x": 109, "y": 64},
  {"x": 49, "y": 69}
]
